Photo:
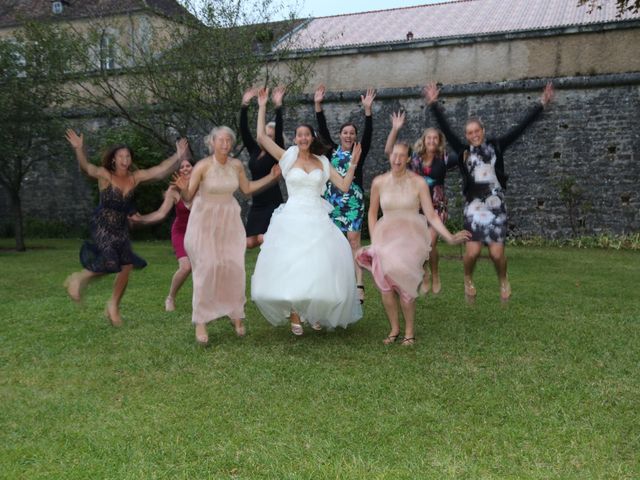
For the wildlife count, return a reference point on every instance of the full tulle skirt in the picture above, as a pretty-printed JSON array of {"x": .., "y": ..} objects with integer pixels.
[{"x": 305, "y": 265}]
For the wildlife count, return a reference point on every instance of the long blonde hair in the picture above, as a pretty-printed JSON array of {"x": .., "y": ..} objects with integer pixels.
[{"x": 419, "y": 147}]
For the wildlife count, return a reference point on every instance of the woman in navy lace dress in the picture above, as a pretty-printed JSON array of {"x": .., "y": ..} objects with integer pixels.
[{"x": 109, "y": 250}]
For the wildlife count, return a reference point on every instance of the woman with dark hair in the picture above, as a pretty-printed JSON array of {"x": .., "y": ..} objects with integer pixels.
[
  {"x": 400, "y": 240},
  {"x": 484, "y": 182},
  {"x": 109, "y": 250},
  {"x": 178, "y": 229},
  {"x": 348, "y": 207},
  {"x": 431, "y": 161},
  {"x": 305, "y": 267},
  {"x": 260, "y": 163}
]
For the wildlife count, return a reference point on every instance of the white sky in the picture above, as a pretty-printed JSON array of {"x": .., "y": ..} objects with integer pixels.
[{"x": 323, "y": 8}]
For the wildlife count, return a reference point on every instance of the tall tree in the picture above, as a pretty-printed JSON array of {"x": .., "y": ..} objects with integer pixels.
[
  {"x": 30, "y": 78},
  {"x": 184, "y": 75}
]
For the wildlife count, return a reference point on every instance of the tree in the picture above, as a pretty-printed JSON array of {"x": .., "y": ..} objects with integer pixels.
[
  {"x": 622, "y": 6},
  {"x": 30, "y": 78},
  {"x": 181, "y": 77}
]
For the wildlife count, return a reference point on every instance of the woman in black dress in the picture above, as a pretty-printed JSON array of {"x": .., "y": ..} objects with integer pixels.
[
  {"x": 109, "y": 250},
  {"x": 484, "y": 181},
  {"x": 260, "y": 164}
]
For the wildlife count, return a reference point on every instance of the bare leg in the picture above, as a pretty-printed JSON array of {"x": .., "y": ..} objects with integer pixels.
[
  {"x": 178, "y": 279},
  {"x": 119, "y": 287},
  {"x": 434, "y": 259},
  {"x": 354, "y": 242},
  {"x": 202, "y": 337},
  {"x": 409, "y": 313},
  {"x": 390, "y": 302},
  {"x": 471, "y": 254},
  {"x": 77, "y": 282},
  {"x": 239, "y": 326},
  {"x": 497, "y": 254},
  {"x": 296, "y": 327}
]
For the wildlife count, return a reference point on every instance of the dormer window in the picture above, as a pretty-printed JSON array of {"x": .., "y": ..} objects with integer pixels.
[{"x": 56, "y": 7}]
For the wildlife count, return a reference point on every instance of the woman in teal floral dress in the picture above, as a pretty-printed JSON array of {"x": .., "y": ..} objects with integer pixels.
[{"x": 348, "y": 208}]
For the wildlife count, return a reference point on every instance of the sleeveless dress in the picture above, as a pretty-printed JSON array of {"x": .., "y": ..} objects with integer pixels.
[
  {"x": 305, "y": 263},
  {"x": 215, "y": 242},
  {"x": 179, "y": 228},
  {"x": 348, "y": 207},
  {"x": 110, "y": 247},
  {"x": 400, "y": 244}
]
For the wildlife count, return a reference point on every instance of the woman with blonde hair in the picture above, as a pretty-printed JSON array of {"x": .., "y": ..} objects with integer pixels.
[{"x": 431, "y": 161}]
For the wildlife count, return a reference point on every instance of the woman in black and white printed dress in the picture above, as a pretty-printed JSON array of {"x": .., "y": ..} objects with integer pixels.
[{"x": 484, "y": 181}]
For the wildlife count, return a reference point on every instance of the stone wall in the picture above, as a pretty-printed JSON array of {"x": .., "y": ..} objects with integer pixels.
[{"x": 589, "y": 134}]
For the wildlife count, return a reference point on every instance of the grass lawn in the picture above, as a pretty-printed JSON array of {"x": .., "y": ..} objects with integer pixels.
[{"x": 547, "y": 387}]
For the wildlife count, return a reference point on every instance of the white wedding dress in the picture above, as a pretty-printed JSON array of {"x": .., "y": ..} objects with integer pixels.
[{"x": 305, "y": 263}]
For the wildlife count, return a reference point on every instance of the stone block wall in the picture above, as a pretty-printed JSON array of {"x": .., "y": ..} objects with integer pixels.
[{"x": 589, "y": 135}]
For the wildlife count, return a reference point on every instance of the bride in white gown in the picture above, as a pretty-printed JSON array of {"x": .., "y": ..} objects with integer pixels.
[{"x": 305, "y": 267}]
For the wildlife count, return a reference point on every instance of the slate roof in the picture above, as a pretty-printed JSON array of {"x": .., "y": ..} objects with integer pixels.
[
  {"x": 15, "y": 12},
  {"x": 461, "y": 18}
]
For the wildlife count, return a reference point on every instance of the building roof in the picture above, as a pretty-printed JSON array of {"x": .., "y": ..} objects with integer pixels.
[
  {"x": 15, "y": 12},
  {"x": 450, "y": 19}
]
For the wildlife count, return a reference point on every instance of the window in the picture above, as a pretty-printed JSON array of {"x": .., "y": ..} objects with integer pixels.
[
  {"x": 108, "y": 50},
  {"x": 56, "y": 7}
]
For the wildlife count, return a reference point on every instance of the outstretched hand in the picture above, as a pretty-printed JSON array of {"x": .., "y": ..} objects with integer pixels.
[
  {"x": 318, "y": 96},
  {"x": 263, "y": 96},
  {"x": 180, "y": 182},
  {"x": 182, "y": 147},
  {"x": 277, "y": 95},
  {"x": 397, "y": 120},
  {"x": 547, "y": 94},
  {"x": 431, "y": 93},
  {"x": 355, "y": 154},
  {"x": 248, "y": 95},
  {"x": 460, "y": 237},
  {"x": 367, "y": 100},
  {"x": 76, "y": 141}
]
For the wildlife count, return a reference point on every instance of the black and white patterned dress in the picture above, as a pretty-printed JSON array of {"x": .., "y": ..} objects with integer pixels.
[{"x": 485, "y": 214}]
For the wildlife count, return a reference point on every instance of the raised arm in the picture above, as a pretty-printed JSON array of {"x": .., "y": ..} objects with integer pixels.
[
  {"x": 343, "y": 183},
  {"x": 250, "y": 187},
  {"x": 397, "y": 122},
  {"x": 77, "y": 143},
  {"x": 170, "y": 199},
  {"x": 269, "y": 145},
  {"x": 431, "y": 94},
  {"x": 434, "y": 219},
  {"x": 374, "y": 205},
  {"x": 367, "y": 102},
  {"x": 245, "y": 133},
  {"x": 164, "y": 168},
  {"x": 323, "y": 130},
  {"x": 512, "y": 135},
  {"x": 277, "y": 98}
]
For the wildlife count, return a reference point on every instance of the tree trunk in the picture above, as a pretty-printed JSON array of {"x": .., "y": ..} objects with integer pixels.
[{"x": 16, "y": 207}]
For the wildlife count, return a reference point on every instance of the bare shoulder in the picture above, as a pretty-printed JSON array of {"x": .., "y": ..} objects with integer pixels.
[{"x": 379, "y": 179}]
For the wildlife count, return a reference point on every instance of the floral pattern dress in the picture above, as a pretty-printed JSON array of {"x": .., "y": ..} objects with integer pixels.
[{"x": 348, "y": 207}]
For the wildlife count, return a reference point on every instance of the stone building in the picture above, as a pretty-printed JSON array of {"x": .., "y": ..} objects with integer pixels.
[{"x": 493, "y": 58}]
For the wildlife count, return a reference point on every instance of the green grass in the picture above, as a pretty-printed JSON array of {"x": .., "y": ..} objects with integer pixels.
[{"x": 547, "y": 387}]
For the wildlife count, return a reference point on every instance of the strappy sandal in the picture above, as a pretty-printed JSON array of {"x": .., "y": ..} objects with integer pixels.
[
  {"x": 390, "y": 339},
  {"x": 202, "y": 339},
  {"x": 470, "y": 291},
  {"x": 361, "y": 293},
  {"x": 115, "y": 322},
  {"x": 296, "y": 329},
  {"x": 505, "y": 291},
  {"x": 169, "y": 304},
  {"x": 240, "y": 330},
  {"x": 408, "y": 341}
]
